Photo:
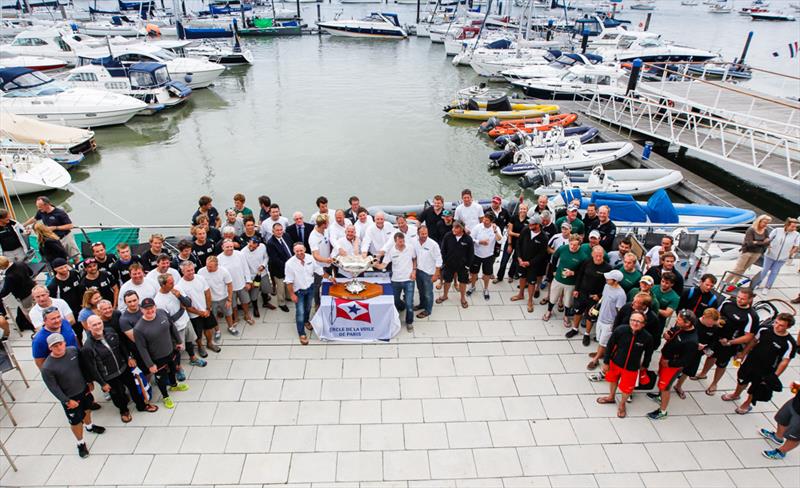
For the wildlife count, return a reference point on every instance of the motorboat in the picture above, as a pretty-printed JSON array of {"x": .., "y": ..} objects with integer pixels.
[
  {"x": 555, "y": 68},
  {"x": 648, "y": 6},
  {"x": 772, "y": 16},
  {"x": 118, "y": 25},
  {"x": 268, "y": 27},
  {"x": 608, "y": 37},
  {"x": 41, "y": 41},
  {"x": 24, "y": 174},
  {"x": 539, "y": 143},
  {"x": 689, "y": 3},
  {"x": 500, "y": 108},
  {"x": 572, "y": 155},
  {"x": 584, "y": 132},
  {"x": 720, "y": 8},
  {"x": 727, "y": 71},
  {"x": 630, "y": 181},
  {"x": 359, "y": 1},
  {"x": 497, "y": 128},
  {"x": 148, "y": 82},
  {"x": 220, "y": 52},
  {"x": 21, "y": 133},
  {"x": 455, "y": 39},
  {"x": 194, "y": 72},
  {"x": 32, "y": 93},
  {"x": 36, "y": 63},
  {"x": 652, "y": 50},
  {"x": 577, "y": 82},
  {"x": 376, "y": 25},
  {"x": 492, "y": 66},
  {"x": 755, "y": 9}
]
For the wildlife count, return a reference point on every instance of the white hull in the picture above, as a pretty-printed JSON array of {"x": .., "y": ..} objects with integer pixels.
[
  {"x": 362, "y": 35},
  {"x": 600, "y": 154},
  {"x": 630, "y": 181},
  {"x": 111, "y": 31},
  {"x": 26, "y": 174},
  {"x": 80, "y": 120}
]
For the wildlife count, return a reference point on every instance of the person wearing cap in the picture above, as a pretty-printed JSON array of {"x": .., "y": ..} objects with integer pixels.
[
  {"x": 42, "y": 300},
  {"x": 158, "y": 340},
  {"x": 108, "y": 361},
  {"x": 65, "y": 376},
  {"x": 255, "y": 255},
  {"x": 667, "y": 263},
  {"x": 514, "y": 228},
  {"x": 66, "y": 285},
  {"x": 567, "y": 259},
  {"x": 589, "y": 284},
  {"x": 102, "y": 280},
  {"x": 485, "y": 235},
  {"x": 52, "y": 324},
  {"x": 572, "y": 219},
  {"x": 457, "y": 255},
  {"x": 501, "y": 219},
  {"x": 531, "y": 255},
  {"x": 432, "y": 216},
  {"x": 645, "y": 286},
  {"x": 613, "y": 300},
  {"x": 444, "y": 225},
  {"x": 468, "y": 212},
  {"x": 143, "y": 288},
  {"x": 629, "y": 349},
  {"x": 676, "y": 355}
]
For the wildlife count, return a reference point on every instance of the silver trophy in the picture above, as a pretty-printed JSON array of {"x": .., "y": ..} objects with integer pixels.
[{"x": 355, "y": 265}]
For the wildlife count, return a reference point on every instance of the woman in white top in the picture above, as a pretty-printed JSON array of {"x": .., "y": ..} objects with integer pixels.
[{"x": 783, "y": 244}]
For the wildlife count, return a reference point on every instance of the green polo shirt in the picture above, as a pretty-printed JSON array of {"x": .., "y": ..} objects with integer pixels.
[
  {"x": 569, "y": 260},
  {"x": 666, "y": 300},
  {"x": 630, "y": 280},
  {"x": 577, "y": 225},
  {"x": 653, "y": 306}
]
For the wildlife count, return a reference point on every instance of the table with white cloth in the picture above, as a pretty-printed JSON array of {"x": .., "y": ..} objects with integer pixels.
[{"x": 368, "y": 320}]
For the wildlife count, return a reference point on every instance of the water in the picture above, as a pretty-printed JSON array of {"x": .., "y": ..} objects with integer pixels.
[{"x": 330, "y": 116}]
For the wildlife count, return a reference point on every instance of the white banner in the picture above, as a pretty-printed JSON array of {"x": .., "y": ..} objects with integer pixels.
[{"x": 373, "y": 319}]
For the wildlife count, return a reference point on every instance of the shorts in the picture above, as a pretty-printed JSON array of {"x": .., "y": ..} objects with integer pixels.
[
  {"x": 75, "y": 415},
  {"x": 603, "y": 332},
  {"x": 750, "y": 373},
  {"x": 241, "y": 297},
  {"x": 220, "y": 307},
  {"x": 583, "y": 303},
  {"x": 694, "y": 363},
  {"x": 188, "y": 333},
  {"x": 199, "y": 324},
  {"x": 556, "y": 288},
  {"x": 667, "y": 376},
  {"x": 723, "y": 354},
  {"x": 626, "y": 379},
  {"x": 791, "y": 419},
  {"x": 448, "y": 274},
  {"x": 484, "y": 265}
]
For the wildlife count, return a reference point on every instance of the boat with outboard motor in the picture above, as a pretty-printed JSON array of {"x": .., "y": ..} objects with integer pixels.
[
  {"x": 495, "y": 127},
  {"x": 538, "y": 143},
  {"x": 547, "y": 181},
  {"x": 33, "y": 93},
  {"x": 586, "y": 133},
  {"x": 376, "y": 25},
  {"x": 572, "y": 155},
  {"x": 24, "y": 174},
  {"x": 498, "y": 108}
]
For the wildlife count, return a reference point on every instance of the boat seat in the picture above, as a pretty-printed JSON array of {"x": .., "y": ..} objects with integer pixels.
[
  {"x": 652, "y": 239},
  {"x": 687, "y": 244}
]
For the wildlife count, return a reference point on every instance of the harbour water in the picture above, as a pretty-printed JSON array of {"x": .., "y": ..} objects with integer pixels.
[{"x": 317, "y": 115}]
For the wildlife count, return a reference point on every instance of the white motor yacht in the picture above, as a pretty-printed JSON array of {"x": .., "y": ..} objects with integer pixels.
[
  {"x": 41, "y": 41},
  {"x": 148, "y": 82},
  {"x": 376, "y": 25},
  {"x": 519, "y": 58},
  {"x": 195, "y": 72},
  {"x": 554, "y": 69},
  {"x": 652, "y": 50},
  {"x": 578, "y": 81},
  {"x": 20, "y": 133},
  {"x": 36, "y": 63},
  {"x": 118, "y": 25},
  {"x": 30, "y": 173},
  {"x": 32, "y": 93}
]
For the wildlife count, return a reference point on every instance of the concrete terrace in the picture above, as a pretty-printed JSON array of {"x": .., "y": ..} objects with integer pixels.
[{"x": 487, "y": 396}]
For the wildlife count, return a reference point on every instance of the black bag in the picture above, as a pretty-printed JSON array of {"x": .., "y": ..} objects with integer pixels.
[
  {"x": 653, "y": 377},
  {"x": 22, "y": 321}
]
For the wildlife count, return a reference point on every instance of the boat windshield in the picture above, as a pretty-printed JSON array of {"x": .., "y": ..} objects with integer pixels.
[
  {"x": 27, "y": 80},
  {"x": 563, "y": 62},
  {"x": 568, "y": 77},
  {"x": 651, "y": 42},
  {"x": 164, "y": 55},
  {"x": 28, "y": 41}
]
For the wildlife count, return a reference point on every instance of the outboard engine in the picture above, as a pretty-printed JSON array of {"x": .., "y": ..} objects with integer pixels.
[
  {"x": 539, "y": 177},
  {"x": 490, "y": 124}
]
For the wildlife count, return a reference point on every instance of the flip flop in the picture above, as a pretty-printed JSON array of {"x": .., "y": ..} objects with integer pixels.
[
  {"x": 126, "y": 417},
  {"x": 592, "y": 365},
  {"x": 728, "y": 397},
  {"x": 517, "y": 298},
  {"x": 711, "y": 391},
  {"x": 441, "y": 299},
  {"x": 695, "y": 378},
  {"x": 464, "y": 304},
  {"x": 151, "y": 408},
  {"x": 741, "y": 411},
  {"x": 605, "y": 401},
  {"x": 681, "y": 394},
  {"x": 621, "y": 413},
  {"x": 530, "y": 308}
]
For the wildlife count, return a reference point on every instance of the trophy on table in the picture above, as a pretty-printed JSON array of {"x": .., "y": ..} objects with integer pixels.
[{"x": 355, "y": 265}]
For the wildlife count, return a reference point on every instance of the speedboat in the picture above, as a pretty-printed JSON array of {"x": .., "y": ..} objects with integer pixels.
[
  {"x": 118, "y": 25},
  {"x": 41, "y": 41},
  {"x": 499, "y": 108},
  {"x": 652, "y": 50},
  {"x": 631, "y": 181},
  {"x": 539, "y": 143},
  {"x": 496, "y": 127},
  {"x": 220, "y": 52},
  {"x": 36, "y": 63},
  {"x": 572, "y": 155},
  {"x": 493, "y": 65},
  {"x": 376, "y": 25},
  {"x": 32, "y": 93},
  {"x": 195, "y": 72},
  {"x": 772, "y": 16},
  {"x": 26, "y": 134},
  {"x": 643, "y": 6},
  {"x": 148, "y": 82},
  {"x": 555, "y": 68},
  {"x": 24, "y": 174},
  {"x": 578, "y": 81},
  {"x": 584, "y": 132}
]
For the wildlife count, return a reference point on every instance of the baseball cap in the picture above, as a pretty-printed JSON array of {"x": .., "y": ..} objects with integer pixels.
[
  {"x": 58, "y": 262},
  {"x": 614, "y": 274},
  {"x": 646, "y": 279},
  {"x": 497, "y": 199},
  {"x": 535, "y": 219},
  {"x": 88, "y": 261},
  {"x": 572, "y": 208},
  {"x": 447, "y": 213},
  {"x": 148, "y": 302},
  {"x": 595, "y": 233},
  {"x": 566, "y": 224},
  {"x": 54, "y": 339}
]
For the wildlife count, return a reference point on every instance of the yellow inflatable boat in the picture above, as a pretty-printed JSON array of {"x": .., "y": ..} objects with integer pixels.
[{"x": 502, "y": 109}]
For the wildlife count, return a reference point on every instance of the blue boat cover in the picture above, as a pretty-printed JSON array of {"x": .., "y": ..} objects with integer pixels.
[
  {"x": 660, "y": 208},
  {"x": 8, "y": 74},
  {"x": 499, "y": 44},
  {"x": 623, "y": 207}
]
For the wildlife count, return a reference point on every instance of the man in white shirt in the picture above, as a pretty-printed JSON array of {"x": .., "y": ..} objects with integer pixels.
[
  {"x": 377, "y": 235},
  {"x": 172, "y": 301},
  {"x": 255, "y": 254},
  {"x": 337, "y": 227},
  {"x": 429, "y": 265},
  {"x": 300, "y": 274},
  {"x": 320, "y": 245},
  {"x": 143, "y": 288},
  {"x": 322, "y": 209},
  {"x": 403, "y": 259},
  {"x": 362, "y": 223},
  {"x": 241, "y": 279},
  {"x": 653, "y": 256},
  {"x": 485, "y": 235},
  {"x": 196, "y": 288},
  {"x": 409, "y": 230},
  {"x": 41, "y": 297},
  {"x": 221, "y": 284},
  {"x": 469, "y": 212},
  {"x": 163, "y": 267},
  {"x": 275, "y": 217}
]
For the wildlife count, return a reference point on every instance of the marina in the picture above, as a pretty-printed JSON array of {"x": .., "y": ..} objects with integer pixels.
[{"x": 159, "y": 127}]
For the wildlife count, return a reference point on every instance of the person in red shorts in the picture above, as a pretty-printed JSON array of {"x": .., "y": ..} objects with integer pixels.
[
  {"x": 677, "y": 354},
  {"x": 629, "y": 349}
]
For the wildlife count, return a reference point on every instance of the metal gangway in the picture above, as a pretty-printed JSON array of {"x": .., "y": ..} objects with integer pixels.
[{"x": 752, "y": 135}]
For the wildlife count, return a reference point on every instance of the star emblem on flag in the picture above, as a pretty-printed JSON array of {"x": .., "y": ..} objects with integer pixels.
[{"x": 353, "y": 310}]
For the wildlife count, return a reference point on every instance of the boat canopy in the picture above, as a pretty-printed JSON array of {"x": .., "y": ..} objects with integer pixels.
[
  {"x": 499, "y": 44},
  {"x": 31, "y": 131},
  {"x": 17, "y": 78}
]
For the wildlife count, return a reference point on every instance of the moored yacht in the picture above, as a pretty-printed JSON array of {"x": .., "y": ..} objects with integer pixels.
[
  {"x": 578, "y": 81},
  {"x": 41, "y": 41},
  {"x": 651, "y": 50},
  {"x": 30, "y": 173},
  {"x": 376, "y": 25}
]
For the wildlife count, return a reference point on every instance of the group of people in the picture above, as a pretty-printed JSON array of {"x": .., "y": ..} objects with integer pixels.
[{"x": 125, "y": 315}]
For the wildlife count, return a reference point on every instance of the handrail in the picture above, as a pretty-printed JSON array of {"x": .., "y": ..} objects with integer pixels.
[{"x": 721, "y": 63}]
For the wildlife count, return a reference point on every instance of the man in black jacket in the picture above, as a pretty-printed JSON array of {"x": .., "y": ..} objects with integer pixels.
[
  {"x": 630, "y": 348},
  {"x": 699, "y": 298},
  {"x": 298, "y": 231},
  {"x": 641, "y": 303},
  {"x": 279, "y": 250},
  {"x": 18, "y": 282},
  {"x": 589, "y": 283},
  {"x": 108, "y": 361},
  {"x": 676, "y": 355},
  {"x": 458, "y": 251},
  {"x": 667, "y": 264},
  {"x": 432, "y": 218},
  {"x": 532, "y": 259}
]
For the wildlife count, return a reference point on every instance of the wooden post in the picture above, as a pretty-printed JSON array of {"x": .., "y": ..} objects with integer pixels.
[
  {"x": 7, "y": 198},
  {"x": 298, "y": 9},
  {"x": 319, "y": 31},
  {"x": 418, "y": 7},
  {"x": 647, "y": 21}
]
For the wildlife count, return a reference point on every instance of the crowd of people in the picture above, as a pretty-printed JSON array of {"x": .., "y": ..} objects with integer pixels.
[{"x": 129, "y": 317}]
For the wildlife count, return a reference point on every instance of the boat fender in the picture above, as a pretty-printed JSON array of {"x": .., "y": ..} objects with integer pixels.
[{"x": 188, "y": 77}]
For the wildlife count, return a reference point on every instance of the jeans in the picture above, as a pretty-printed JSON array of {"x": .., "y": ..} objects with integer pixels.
[
  {"x": 512, "y": 270},
  {"x": 302, "y": 309},
  {"x": 770, "y": 271},
  {"x": 425, "y": 287},
  {"x": 407, "y": 289}
]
